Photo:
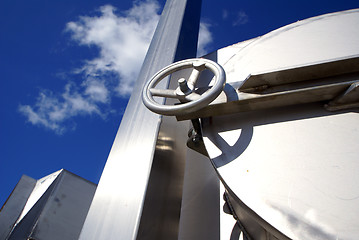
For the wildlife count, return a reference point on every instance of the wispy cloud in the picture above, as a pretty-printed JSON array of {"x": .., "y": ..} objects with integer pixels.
[
  {"x": 238, "y": 18},
  {"x": 204, "y": 38},
  {"x": 241, "y": 18},
  {"x": 51, "y": 111},
  {"x": 224, "y": 14},
  {"x": 122, "y": 39}
]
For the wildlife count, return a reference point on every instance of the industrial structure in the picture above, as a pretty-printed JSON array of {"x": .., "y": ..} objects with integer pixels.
[
  {"x": 258, "y": 140},
  {"x": 53, "y": 207}
]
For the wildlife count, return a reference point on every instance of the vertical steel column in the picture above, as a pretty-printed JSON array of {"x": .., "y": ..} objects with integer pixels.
[{"x": 142, "y": 138}]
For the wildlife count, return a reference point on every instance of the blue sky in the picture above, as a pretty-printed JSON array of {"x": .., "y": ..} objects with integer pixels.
[{"x": 67, "y": 68}]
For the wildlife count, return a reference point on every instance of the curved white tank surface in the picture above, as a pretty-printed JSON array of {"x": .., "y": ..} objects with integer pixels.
[{"x": 292, "y": 169}]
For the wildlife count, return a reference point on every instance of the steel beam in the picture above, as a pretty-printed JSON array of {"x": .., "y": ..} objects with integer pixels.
[
  {"x": 321, "y": 82},
  {"x": 143, "y": 140}
]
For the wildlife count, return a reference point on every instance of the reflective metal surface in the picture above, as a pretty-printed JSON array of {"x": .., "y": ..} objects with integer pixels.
[
  {"x": 14, "y": 205},
  {"x": 291, "y": 172},
  {"x": 201, "y": 207},
  {"x": 56, "y": 208},
  {"x": 186, "y": 91},
  {"x": 117, "y": 207},
  {"x": 296, "y": 168},
  {"x": 289, "y": 87}
]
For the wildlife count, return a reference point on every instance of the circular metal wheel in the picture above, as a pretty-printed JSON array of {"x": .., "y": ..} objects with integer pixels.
[{"x": 185, "y": 92}]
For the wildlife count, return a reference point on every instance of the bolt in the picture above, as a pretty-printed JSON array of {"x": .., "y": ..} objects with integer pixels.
[
  {"x": 183, "y": 85},
  {"x": 196, "y": 138}
]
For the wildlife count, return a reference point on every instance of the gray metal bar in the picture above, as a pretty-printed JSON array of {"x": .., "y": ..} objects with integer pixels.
[
  {"x": 117, "y": 207},
  {"x": 232, "y": 100},
  {"x": 349, "y": 99},
  {"x": 310, "y": 71},
  {"x": 12, "y": 208}
]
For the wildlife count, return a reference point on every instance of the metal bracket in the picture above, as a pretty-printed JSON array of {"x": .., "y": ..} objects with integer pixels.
[
  {"x": 195, "y": 140},
  {"x": 321, "y": 82},
  {"x": 349, "y": 99},
  {"x": 228, "y": 208}
]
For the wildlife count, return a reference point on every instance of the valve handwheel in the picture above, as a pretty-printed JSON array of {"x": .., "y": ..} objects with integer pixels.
[{"x": 186, "y": 90}]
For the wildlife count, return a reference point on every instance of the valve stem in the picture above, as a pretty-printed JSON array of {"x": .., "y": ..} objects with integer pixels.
[{"x": 182, "y": 83}]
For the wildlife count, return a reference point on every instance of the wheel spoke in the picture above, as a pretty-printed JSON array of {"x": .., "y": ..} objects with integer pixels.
[
  {"x": 192, "y": 97},
  {"x": 197, "y": 69},
  {"x": 168, "y": 93}
]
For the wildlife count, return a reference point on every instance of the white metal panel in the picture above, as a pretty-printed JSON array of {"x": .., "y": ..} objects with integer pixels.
[
  {"x": 297, "y": 168},
  {"x": 314, "y": 40},
  {"x": 294, "y": 167}
]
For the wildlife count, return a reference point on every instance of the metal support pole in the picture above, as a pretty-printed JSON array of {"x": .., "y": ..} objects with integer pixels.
[{"x": 143, "y": 140}]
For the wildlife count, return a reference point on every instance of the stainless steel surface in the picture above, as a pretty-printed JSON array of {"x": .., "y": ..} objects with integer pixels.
[
  {"x": 185, "y": 92},
  {"x": 162, "y": 205},
  {"x": 116, "y": 210},
  {"x": 349, "y": 99},
  {"x": 55, "y": 209},
  {"x": 232, "y": 101},
  {"x": 338, "y": 64},
  {"x": 42, "y": 185},
  {"x": 294, "y": 167},
  {"x": 14, "y": 205},
  {"x": 65, "y": 210},
  {"x": 291, "y": 171},
  {"x": 201, "y": 208}
]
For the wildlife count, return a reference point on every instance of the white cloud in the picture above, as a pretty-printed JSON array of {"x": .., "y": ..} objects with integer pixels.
[
  {"x": 75, "y": 103},
  {"x": 51, "y": 111},
  {"x": 96, "y": 90},
  {"x": 122, "y": 40},
  {"x": 237, "y": 17},
  {"x": 224, "y": 14},
  {"x": 36, "y": 119},
  {"x": 204, "y": 38},
  {"x": 241, "y": 18}
]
